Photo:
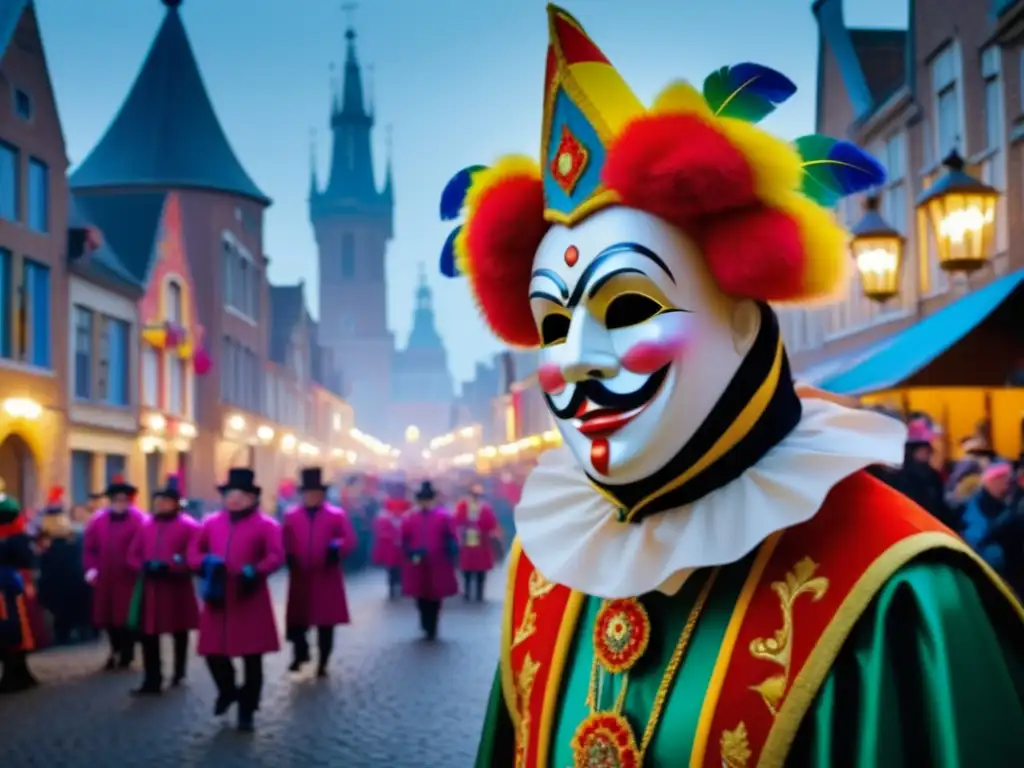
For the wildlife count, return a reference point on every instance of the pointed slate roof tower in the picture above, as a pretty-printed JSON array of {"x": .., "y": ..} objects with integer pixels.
[{"x": 166, "y": 134}]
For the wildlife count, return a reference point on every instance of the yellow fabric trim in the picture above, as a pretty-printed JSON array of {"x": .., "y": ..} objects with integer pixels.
[
  {"x": 508, "y": 685},
  {"x": 818, "y": 665},
  {"x": 739, "y": 429},
  {"x": 725, "y": 653},
  {"x": 553, "y": 685}
]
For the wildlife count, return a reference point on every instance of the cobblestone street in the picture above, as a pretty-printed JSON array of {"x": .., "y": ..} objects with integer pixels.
[{"x": 392, "y": 701}]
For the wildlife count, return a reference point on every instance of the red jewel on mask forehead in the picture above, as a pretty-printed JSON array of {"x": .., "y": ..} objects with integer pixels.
[{"x": 572, "y": 255}]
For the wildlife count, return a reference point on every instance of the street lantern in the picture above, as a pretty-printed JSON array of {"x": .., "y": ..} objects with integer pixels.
[
  {"x": 878, "y": 253},
  {"x": 961, "y": 212}
]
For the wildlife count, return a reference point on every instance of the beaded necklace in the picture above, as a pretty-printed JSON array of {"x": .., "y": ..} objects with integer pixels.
[{"x": 622, "y": 632}]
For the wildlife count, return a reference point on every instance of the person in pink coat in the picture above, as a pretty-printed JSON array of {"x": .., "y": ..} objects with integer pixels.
[
  {"x": 159, "y": 554},
  {"x": 387, "y": 540},
  {"x": 105, "y": 546},
  {"x": 431, "y": 546},
  {"x": 235, "y": 550},
  {"x": 477, "y": 527},
  {"x": 317, "y": 537}
]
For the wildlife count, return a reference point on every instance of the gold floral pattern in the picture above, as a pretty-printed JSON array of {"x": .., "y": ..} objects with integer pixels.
[
  {"x": 538, "y": 587},
  {"x": 778, "y": 648},
  {"x": 525, "y": 679},
  {"x": 735, "y": 747}
]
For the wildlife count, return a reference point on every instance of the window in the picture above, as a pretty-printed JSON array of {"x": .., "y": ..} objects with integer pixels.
[
  {"x": 993, "y": 168},
  {"x": 6, "y": 303},
  {"x": 36, "y": 309},
  {"x": 348, "y": 255},
  {"x": 173, "y": 308},
  {"x": 150, "y": 377},
  {"x": 81, "y": 476},
  {"x": 8, "y": 182},
  {"x": 175, "y": 384},
  {"x": 945, "y": 75},
  {"x": 22, "y": 104},
  {"x": 241, "y": 279},
  {"x": 38, "y": 195},
  {"x": 228, "y": 271},
  {"x": 83, "y": 353},
  {"x": 115, "y": 465},
  {"x": 993, "y": 113},
  {"x": 118, "y": 361}
]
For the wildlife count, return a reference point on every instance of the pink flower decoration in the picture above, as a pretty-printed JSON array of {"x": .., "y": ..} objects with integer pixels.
[{"x": 201, "y": 362}]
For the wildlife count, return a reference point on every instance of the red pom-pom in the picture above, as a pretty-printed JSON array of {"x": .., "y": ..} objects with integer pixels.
[
  {"x": 754, "y": 253},
  {"x": 56, "y": 495},
  {"x": 502, "y": 236},
  {"x": 678, "y": 168}
]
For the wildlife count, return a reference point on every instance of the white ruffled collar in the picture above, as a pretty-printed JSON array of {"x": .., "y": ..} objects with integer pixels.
[{"x": 571, "y": 535}]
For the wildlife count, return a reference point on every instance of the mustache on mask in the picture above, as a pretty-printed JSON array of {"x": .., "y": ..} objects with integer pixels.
[{"x": 597, "y": 393}]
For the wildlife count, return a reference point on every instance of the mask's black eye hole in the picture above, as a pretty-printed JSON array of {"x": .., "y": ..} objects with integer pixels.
[
  {"x": 630, "y": 309},
  {"x": 554, "y": 329}
]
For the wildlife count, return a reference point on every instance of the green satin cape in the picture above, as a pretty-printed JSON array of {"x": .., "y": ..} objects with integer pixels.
[{"x": 932, "y": 675}]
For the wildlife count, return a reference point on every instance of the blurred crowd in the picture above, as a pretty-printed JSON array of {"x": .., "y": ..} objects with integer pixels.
[{"x": 977, "y": 493}]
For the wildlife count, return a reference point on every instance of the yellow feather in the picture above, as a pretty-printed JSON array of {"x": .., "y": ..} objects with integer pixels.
[
  {"x": 826, "y": 244},
  {"x": 681, "y": 98},
  {"x": 483, "y": 181},
  {"x": 776, "y": 163}
]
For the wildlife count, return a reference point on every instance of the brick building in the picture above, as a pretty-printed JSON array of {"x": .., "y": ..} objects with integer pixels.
[
  {"x": 167, "y": 138},
  {"x": 33, "y": 272},
  {"x": 950, "y": 80}
]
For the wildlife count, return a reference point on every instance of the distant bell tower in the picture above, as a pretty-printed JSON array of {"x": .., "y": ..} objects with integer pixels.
[{"x": 352, "y": 222}]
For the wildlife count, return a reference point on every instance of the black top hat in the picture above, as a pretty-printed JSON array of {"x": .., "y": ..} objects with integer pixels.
[
  {"x": 118, "y": 486},
  {"x": 172, "y": 490},
  {"x": 240, "y": 479},
  {"x": 426, "y": 492},
  {"x": 311, "y": 479}
]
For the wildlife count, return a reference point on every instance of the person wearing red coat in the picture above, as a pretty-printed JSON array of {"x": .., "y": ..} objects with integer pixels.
[
  {"x": 159, "y": 554},
  {"x": 317, "y": 537},
  {"x": 478, "y": 528}
]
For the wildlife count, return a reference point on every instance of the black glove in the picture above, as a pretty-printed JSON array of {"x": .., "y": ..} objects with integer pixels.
[
  {"x": 333, "y": 553},
  {"x": 250, "y": 580}
]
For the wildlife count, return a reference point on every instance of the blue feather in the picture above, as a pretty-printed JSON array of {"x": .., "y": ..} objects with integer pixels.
[
  {"x": 746, "y": 91},
  {"x": 454, "y": 195},
  {"x": 448, "y": 266},
  {"x": 834, "y": 168}
]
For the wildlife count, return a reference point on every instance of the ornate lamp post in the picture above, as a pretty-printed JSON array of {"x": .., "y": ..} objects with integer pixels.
[
  {"x": 878, "y": 253},
  {"x": 961, "y": 212}
]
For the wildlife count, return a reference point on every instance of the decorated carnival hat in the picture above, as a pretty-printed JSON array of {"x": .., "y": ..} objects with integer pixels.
[
  {"x": 118, "y": 486},
  {"x": 757, "y": 206},
  {"x": 9, "y": 506},
  {"x": 54, "y": 504}
]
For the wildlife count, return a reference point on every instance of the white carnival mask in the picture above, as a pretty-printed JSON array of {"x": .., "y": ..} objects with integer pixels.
[{"x": 638, "y": 343}]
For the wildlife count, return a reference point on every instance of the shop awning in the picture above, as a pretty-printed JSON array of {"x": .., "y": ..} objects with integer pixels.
[
  {"x": 911, "y": 350},
  {"x": 831, "y": 367}
]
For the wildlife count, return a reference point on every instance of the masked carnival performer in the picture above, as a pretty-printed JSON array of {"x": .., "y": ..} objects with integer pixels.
[
  {"x": 477, "y": 527},
  {"x": 236, "y": 549},
  {"x": 387, "y": 539},
  {"x": 705, "y": 575},
  {"x": 62, "y": 587},
  {"x": 317, "y": 537},
  {"x": 107, "y": 540},
  {"x": 159, "y": 554},
  {"x": 21, "y": 625},
  {"x": 430, "y": 545}
]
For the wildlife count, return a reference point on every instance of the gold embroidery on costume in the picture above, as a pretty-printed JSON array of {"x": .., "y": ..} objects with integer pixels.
[
  {"x": 778, "y": 648},
  {"x": 735, "y": 747},
  {"x": 525, "y": 679},
  {"x": 538, "y": 587}
]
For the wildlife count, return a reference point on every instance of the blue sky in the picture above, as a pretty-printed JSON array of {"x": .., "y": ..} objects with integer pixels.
[{"x": 459, "y": 81}]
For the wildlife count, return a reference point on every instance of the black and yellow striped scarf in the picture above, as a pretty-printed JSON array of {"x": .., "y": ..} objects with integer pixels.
[{"x": 756, "y": 411}]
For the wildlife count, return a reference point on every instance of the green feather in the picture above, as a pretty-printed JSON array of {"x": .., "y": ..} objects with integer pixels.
[{"x": 834, "y": 169}]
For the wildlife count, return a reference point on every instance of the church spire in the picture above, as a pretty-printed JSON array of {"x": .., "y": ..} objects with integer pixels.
[
  {"x": 424, "y": 333},
  {"x": 314, "y": 183},
  {"x": 352, "y": 89},
  {"x": 389, "y": 188}
]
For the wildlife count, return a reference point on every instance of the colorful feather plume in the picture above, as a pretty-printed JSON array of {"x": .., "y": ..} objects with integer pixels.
[
  {"x": 454, "y": 195},
  {"x": 834, "y": 169},
  {"x": 448, "y": 265},
  {"x": 746, "y": 91}
]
